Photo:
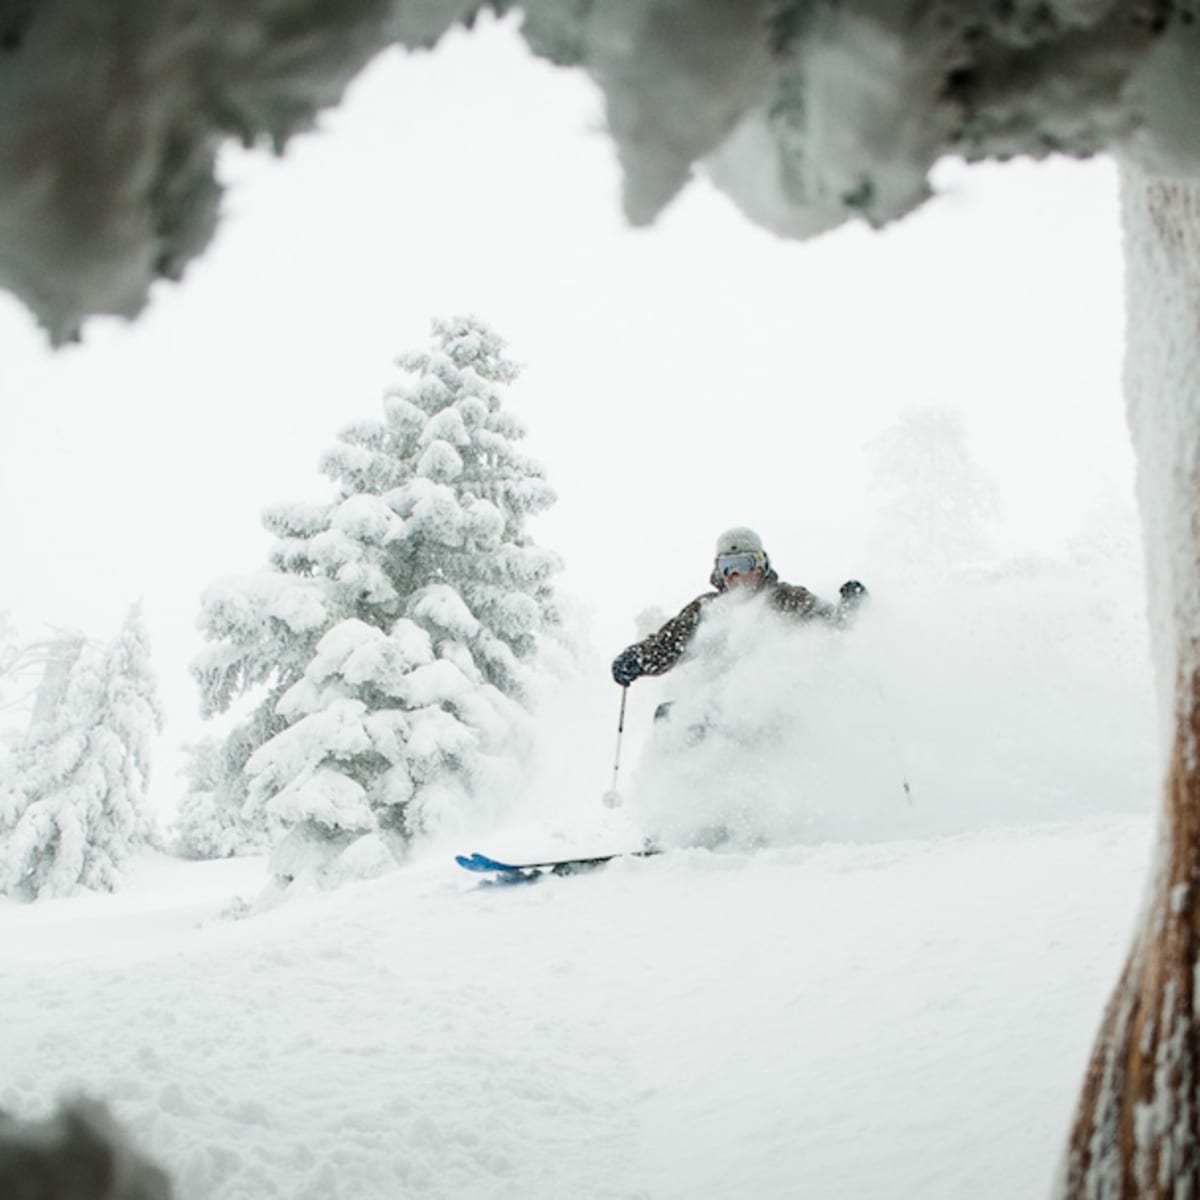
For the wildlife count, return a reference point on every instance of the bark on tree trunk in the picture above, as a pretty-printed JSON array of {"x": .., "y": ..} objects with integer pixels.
[{"x": 1137, "y": 1130}]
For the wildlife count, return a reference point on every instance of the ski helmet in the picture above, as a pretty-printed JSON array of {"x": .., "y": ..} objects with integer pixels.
[{"x": 739, "y": 540}]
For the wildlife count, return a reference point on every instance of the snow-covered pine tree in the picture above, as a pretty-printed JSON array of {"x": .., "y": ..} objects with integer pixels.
[
  {"x": 391, "y": 640},
  {"x": 73, "y": 799}
]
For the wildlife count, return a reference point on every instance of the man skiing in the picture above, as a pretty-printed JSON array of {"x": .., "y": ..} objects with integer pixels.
[{"x": 741, "y": 563}]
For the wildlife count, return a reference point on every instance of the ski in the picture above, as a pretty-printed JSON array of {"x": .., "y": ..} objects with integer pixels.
[{"x": 512, "y": 872}]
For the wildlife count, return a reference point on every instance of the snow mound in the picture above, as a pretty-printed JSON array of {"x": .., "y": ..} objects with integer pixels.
[{"x": 987, "y": 699}]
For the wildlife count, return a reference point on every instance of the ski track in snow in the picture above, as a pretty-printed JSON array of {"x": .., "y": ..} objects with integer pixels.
[{"x": 861, "y": 1022}]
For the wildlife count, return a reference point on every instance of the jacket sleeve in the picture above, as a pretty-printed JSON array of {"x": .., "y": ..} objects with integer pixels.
[
  {"x": 658, "y": 653},
  {"x": 803, "y": 605}
]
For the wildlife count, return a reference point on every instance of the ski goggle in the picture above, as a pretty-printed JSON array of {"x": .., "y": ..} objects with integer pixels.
[{"x": 739, "y": 564}]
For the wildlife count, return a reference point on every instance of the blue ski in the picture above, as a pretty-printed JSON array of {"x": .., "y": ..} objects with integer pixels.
[{"x": 482, "y": 864}]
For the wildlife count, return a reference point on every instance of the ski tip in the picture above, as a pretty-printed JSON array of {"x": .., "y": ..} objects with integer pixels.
[
  {"x": 481, "y": 862},
  {"x": 473, "y": 862}
]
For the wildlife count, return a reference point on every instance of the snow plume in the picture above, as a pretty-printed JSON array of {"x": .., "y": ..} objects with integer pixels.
[
  {"x": 750, "y": 751},
  {"x": 392, "y": 647},
  {"x": 1017, "y": 695}
]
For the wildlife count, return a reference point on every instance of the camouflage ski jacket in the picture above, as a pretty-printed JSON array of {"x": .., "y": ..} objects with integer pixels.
[{"x": 658, "y": 653}]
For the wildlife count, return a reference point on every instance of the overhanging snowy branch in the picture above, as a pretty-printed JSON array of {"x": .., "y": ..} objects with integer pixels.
[{"x": 808, "y": 114}]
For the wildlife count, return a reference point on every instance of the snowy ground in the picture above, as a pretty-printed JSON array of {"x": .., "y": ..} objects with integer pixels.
[
  {"x": 890, "y": 1000},
  {"x": 899, "y": 1019}
]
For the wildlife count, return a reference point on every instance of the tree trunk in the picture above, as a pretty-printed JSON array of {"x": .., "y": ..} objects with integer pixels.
[
  {"x": 61, "y": 656},
  {"x": 1136, "y": 1131}
]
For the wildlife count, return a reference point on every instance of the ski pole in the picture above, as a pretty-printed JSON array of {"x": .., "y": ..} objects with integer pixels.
[
  {"x": 886, "y": 713},
  {"x": 612, "y": 798}
]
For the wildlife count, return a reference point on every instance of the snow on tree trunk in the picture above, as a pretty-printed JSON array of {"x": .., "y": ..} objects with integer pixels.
[{"x": 1137, "y": 1131}]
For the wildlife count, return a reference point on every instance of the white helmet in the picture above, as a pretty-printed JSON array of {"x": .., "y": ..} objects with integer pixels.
[{"x": 739, "y": 540}]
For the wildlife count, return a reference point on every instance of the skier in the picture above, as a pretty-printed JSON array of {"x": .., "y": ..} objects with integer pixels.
[{"x": 741, "y": 563}]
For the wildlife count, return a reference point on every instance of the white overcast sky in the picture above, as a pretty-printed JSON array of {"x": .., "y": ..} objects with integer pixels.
[{"x": 677, "y": 380}]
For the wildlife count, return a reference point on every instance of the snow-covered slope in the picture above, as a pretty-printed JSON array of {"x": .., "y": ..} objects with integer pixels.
[{"x": 859, "y": 1021}]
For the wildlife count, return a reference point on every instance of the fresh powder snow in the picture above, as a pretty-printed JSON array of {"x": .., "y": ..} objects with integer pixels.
[
  {"x": 908, "y": 1018},
  {"x": 853, "y": 992}
]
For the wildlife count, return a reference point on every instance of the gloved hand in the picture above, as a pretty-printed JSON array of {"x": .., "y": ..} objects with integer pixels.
[
  {"x": 852, "y": 592},
  {"x": 626, "y": 667}
]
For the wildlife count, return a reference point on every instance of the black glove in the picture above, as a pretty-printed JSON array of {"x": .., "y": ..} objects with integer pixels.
[
  {"x": 852, "y": 592},
  {"x": 626, "y": 667}
]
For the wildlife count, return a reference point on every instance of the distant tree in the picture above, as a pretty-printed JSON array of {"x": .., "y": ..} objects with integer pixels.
[
  {"x": 388, "y": 648},
  {"x": 1110, "y": 532},
  {"x": 934, "y": 502},
  {"x": 210, "y": 821},
  {"x": 9, "y": 646},
  {"x": 73, "y": 794},
  {"x": 13, "y": 690}
]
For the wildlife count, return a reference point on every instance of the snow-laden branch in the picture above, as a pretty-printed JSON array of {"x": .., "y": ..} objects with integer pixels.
[{"x": 807, "y": 114}]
